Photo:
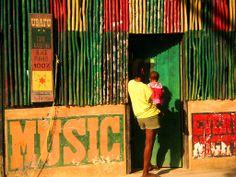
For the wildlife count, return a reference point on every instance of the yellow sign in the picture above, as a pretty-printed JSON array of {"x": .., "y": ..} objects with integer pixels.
[{"x": 41, "y": 80}]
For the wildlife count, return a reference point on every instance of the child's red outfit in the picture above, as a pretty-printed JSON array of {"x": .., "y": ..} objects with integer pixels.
[{"x": 157, "y": 93}]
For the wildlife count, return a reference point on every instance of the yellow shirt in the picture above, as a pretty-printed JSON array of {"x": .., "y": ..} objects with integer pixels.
[{"x": 140, "y": 95}]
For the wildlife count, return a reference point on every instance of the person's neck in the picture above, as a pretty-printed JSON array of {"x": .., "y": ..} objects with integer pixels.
[{"x": 138, "y": 79}]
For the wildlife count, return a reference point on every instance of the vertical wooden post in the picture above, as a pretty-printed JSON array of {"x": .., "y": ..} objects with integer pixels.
[{"x": 2, "y": 151}]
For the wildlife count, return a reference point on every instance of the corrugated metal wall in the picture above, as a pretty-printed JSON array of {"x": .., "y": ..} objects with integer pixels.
[
  {"x": 91, "y": 43},
  {"x": 209, "y": 50}
]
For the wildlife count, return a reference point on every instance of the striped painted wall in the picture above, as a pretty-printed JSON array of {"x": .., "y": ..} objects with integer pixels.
[
  {"x": 91, "y": 46},
  {"x": 174, "y": 16},
  {"x": 209, "y": 50},
  {"x": 209, "y": 58},
  {"x": 157, "y": 16}
]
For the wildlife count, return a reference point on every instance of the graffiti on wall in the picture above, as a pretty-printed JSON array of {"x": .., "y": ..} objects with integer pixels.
[
  {"x": 214, "y": 134},
  {"x": 72, "y": 141}
]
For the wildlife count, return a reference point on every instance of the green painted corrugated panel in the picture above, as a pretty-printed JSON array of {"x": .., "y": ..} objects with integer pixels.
[
  {"x": 1, "y": 15},
  {"x": 14, "y": 19},
  {"x": 209, "y": 65}
]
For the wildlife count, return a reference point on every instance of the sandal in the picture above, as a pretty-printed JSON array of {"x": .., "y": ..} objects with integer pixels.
[{"x": 153, "y": 167}]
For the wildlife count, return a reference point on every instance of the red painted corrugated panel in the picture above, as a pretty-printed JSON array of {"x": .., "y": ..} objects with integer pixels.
[{"x": 116, "y": 16}]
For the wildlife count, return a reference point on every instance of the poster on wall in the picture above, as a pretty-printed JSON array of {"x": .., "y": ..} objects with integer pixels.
[
  {"x": 214, "y": 135},
  {"x": 41, "y": 48}
]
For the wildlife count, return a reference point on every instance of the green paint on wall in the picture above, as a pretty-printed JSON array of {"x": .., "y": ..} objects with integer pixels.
[
  {"x": 9, "y": 139},
  {"x": 22, "y": 123},
  {"x": 84, "y": 139},
  {"x": 167, "y": 147}
]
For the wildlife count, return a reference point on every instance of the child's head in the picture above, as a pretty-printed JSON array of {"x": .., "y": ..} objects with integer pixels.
[{"x": 154, "y": 76}]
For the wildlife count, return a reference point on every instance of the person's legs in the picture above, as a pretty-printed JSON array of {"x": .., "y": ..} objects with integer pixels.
[{"x": 150, "y": 135}]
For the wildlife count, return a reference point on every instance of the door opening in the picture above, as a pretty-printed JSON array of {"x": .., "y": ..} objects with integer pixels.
[{"x": 162, "y": 54}]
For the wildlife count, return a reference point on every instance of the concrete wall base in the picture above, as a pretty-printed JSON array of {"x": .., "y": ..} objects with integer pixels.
[
  {"x": 215, "y": 126},
  {"x": 66, "y": 141}
]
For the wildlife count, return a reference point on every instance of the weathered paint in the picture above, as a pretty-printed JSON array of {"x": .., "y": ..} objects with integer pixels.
[
  {"x": 91, "y": 38},
  {"x": 76, "y": 140},
  {"x": 167, "y": 147},
  {"x": 41, "y": 43},
  {"x": 209, "y": 65},
  {"x": 1, "y": 107},
  {"x": 119, "y": 14},
  {"x": 214, "y": 135},
  {"x": 211, "y": 125}
]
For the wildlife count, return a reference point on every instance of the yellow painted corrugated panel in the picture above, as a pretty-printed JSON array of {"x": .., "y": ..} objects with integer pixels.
[
  {"x": 68, "y": 15},
  {"x": 73, "y": 15},
  {"x": 77, "y": 15},
  {"x": 199, "y": 14}
]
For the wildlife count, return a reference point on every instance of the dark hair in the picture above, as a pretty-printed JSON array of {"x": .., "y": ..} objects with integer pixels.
[
  {"x": 137, "y": 67},
  {"x": 154, "y": 75}
]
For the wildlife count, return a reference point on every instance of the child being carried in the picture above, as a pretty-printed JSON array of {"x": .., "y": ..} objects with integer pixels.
[{"x": 157, "y": 89}]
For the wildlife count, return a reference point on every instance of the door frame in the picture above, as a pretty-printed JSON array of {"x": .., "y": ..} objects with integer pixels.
[
  {"x": 2, "y": 133},
  {"x": 184, "y": 105},
  {"x": 183, "y": 114}
]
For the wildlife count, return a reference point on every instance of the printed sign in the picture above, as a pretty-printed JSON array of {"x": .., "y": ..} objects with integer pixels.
[
  {"x": 214, "y": 135},
  {"x": 72, "y": 141},
  {"x": 41, "y": 57}
]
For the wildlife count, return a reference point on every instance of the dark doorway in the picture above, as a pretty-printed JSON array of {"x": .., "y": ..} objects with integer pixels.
[{"x": 162, "y": 54}]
